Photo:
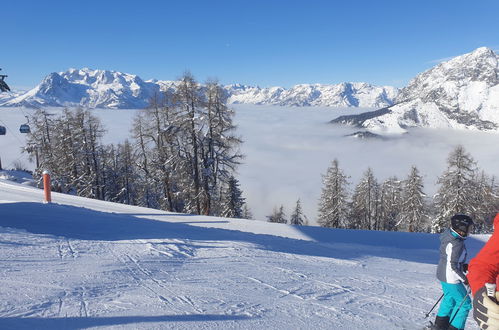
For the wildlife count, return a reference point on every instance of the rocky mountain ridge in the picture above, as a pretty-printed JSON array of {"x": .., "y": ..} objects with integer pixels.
[
  {"x": 111, "y": 89},
  {"x": 460, "y": 93}
]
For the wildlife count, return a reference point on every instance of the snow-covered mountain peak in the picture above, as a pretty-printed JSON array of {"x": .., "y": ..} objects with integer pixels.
[
  {"x": 443, "y": 81},
  {"x": 460, "y": 93},
  {"x": 95, "y": 78}
]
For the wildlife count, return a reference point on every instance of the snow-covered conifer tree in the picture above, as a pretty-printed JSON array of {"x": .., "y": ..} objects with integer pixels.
[
  {"x": 486, "y": 199},
  {"x": 233, "y": 200},
  {"x": 364, "y": 210},
  {"x": 297, "y": 217},
  {"x": 413, "y": 215},
  {"x": 390, "y": 204},
  {"x": 278, "y": 216},
  {"x": 333, "y": 204},
  {"x": 247, "y": 212},
  {"x": 457, "y": 188}
]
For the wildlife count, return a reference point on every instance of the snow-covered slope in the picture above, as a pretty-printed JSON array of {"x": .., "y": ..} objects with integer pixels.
[
  {"x": 80, "y": 263},
  {"x": 110, "y": 89},
  {"x": 460, "y": 93},
  {"x": 7, "y": 96}
]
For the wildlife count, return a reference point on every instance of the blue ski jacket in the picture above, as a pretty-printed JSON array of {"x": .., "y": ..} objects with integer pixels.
[{"x": 453, "y": 255}]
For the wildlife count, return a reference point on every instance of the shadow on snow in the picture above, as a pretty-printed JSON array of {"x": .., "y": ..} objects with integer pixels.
[
  {"x": 87, "y": 322},
  {"x": 85, "y": 224}
]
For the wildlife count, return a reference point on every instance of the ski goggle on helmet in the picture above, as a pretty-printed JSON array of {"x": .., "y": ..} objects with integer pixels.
[{"x": 461, "y": 224}]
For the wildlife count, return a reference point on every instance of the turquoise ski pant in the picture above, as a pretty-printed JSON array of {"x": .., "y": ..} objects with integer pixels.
[{"x": 453, "y": 296}]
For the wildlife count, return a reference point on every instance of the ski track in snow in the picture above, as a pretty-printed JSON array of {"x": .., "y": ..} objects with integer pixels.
[{"x": 193, "y": 282}]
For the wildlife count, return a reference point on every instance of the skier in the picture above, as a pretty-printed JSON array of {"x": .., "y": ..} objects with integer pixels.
[
  {"x": 456, "y": 304},
  {"x": 483, "y": 274}
]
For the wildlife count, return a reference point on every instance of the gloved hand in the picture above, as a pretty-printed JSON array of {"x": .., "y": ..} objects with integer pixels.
[
  {"x": 486, "y": 310},
  {"x": 465, "y": 268}
]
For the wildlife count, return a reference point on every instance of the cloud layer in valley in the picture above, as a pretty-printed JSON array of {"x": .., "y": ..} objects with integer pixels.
[{"x": 288, "y": 149}]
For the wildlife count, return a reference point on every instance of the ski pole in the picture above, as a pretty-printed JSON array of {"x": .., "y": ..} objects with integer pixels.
[
  {"x": 460, "y": 305},
  {"x": 428, "y": 314}
]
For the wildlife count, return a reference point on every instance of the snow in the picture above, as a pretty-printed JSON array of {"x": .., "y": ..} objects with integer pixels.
[{"x": 81, "y": 263}]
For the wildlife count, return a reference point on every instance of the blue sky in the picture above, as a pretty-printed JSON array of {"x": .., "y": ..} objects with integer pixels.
[{"x": 265, "y": 43}]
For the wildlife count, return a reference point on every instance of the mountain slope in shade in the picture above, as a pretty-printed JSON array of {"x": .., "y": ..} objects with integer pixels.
[
  {"x": 461, "y": 93},
  {"x": 111, "y": 89}
]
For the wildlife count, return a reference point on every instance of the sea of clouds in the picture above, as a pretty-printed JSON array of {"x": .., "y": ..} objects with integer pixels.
[{"x": 288, "y": 149}]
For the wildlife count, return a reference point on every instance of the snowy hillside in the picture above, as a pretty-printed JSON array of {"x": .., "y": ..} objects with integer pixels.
[
  {"x": 111, "y": 89},
  {"x": 109, "y": 265},
  {"x": 460, "y": 93}
]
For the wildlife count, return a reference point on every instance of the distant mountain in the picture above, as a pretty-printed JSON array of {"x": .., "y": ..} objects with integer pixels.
[
  {"x": 339, "y": 95},
  {"x": 111, "y": 89},
  {"x": 89, "y": 88},
  {"x": 460, "y": 93}
]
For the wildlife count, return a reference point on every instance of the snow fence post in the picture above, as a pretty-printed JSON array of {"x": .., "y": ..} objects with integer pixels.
[{"x": 46, "y": 186}]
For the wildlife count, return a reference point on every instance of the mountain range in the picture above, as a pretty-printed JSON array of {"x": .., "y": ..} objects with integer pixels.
[
  {"x": 460, "y": 93},
  {"x": 111, "y": 89}
]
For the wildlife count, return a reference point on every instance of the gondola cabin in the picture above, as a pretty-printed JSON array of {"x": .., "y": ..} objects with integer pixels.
[
  {"x": 24, "y": 128},
  {"x": 3, "y": 130}
]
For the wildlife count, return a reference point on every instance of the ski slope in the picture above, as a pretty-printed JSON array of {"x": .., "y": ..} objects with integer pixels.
[{"x": 80, "y": 263}]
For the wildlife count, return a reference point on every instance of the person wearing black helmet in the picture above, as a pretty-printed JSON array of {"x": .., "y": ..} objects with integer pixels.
[{"x": 451, "y": 270}]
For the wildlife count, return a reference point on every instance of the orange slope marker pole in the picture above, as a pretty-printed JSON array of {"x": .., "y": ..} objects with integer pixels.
[{"x": 46, "y": 186}]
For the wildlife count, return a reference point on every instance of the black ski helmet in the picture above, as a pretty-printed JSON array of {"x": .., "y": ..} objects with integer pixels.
[{"x": 461, "y": 224}]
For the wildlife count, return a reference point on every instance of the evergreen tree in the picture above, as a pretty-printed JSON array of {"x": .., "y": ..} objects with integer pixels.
[
  {"x": 486, "y": 199},
  {"x": 233, "y": 200},
  {"x": 365, "y": 203},
  {"x": 333, "y": 204},
  {"x": 390, "y": 204},
  {"x": 278, "y": 216},
  {"x": 413, "y": 214},
  {"x": 247, "y": 212},
  {"x": 297, "y": 217},
  {"x": 456, "y": 191}
]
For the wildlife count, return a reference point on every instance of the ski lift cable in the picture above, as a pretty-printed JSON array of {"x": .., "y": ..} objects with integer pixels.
[
  {"x": 25, "y": 115},
  {"x": 15, "y": 135},
  {"x": 12, "y": 163},
  {"x": 25, "y": 127}
]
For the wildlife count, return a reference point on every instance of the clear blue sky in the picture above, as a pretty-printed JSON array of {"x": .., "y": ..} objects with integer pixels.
[{"x": 258, "y": 42}]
